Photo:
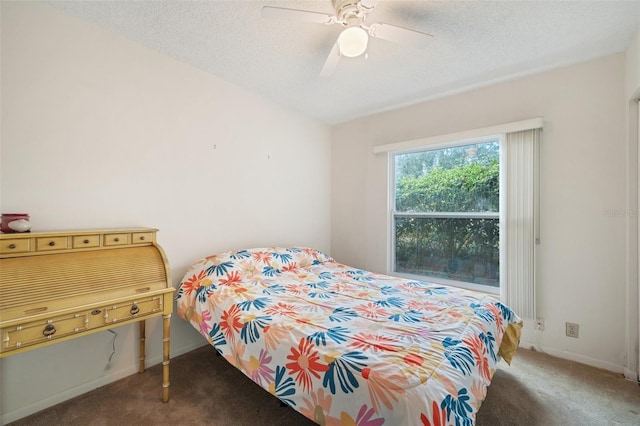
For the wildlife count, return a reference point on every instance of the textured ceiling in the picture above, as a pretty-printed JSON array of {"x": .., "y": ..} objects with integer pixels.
[{"x": 474, "y": 43}]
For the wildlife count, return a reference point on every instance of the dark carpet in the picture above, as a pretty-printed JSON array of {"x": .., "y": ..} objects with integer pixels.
[{"x": 536, "y": 389}]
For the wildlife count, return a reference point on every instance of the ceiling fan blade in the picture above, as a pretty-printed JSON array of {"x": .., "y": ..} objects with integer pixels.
[
  {"x": 400, "y": 35},
  {"x": 295, "y": 14},
  {"x": 331, "y": 62}
]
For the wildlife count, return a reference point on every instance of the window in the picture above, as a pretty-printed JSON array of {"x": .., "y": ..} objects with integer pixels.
[
  {"x": 516, "y": 221},
  {"x": 446, "y": 214}
]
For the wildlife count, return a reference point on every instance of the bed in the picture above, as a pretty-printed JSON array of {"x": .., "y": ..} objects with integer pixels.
[{"x": 346, "y": 346}]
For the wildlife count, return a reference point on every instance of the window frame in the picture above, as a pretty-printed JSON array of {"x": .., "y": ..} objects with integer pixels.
[{"x": 500, "y": 215}]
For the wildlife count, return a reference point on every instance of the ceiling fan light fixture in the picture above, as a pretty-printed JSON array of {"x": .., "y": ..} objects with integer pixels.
[{"x": 353, "y": 41}]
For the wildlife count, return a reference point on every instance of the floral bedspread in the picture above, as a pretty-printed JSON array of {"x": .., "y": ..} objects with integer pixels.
[{"x": 345, "y": 346}]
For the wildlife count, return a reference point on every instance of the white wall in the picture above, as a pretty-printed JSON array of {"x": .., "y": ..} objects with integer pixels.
[
  {"x": 582, "y": 268},
  {"x": 99, "y": 132},
  {"x": 632, "y": 86},
  {"x": 632, "y": 96}
]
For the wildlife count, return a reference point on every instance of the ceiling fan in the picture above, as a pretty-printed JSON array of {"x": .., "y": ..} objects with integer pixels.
[{"x": 353, "y": 39}]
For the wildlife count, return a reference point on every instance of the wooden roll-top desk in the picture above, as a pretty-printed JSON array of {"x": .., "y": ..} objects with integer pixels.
[{"x": 57, "y": 286}]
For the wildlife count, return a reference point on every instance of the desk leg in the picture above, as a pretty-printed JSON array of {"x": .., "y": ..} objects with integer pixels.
[
  {"x": 166, "y": 322},
  {"x": 142, "y": 341}
]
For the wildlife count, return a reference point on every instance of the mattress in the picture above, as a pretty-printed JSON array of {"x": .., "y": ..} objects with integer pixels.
[{"x": 343, "y": 345}]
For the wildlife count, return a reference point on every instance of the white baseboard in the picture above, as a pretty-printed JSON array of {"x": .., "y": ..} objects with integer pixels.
[
  {"x": 183, "y": 350},
  {"x": 42, "y": 404},
  {"x": 634, "y": 376},
  {"x": 619, "y": 369}
]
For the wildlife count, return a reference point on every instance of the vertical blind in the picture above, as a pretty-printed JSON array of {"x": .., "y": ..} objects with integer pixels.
[{"x": 521, "y": 151}]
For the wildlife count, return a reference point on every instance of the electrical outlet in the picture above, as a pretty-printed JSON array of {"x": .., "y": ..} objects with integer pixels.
[
  {"x": 572, "y": 329},
  {"x": 540, "y": 324}
]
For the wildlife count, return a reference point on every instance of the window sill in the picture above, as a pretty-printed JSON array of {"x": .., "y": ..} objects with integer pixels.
[{"x": 493, "y": 291}]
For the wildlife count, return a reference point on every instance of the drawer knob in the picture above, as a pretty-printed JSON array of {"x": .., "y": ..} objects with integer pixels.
[
  {"x": 49, "y": 330},
  {"x": 142, "y": 238},
  {"x": 86, "y": 241},
  {"x": 52, "y": 243},
  {"x": 116, "y": 239},
  {"x": 12, "y": 246},
  {"x": 134, "y": 309},
  {"x": 96, "y": 312}
]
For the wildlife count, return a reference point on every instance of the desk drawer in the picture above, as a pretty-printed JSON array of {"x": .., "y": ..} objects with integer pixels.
[
  {"x": 142, "y": 237},
  {"x": 128, "y": 310},
  {"x": 116, "y": 239},
  {"x": 51, "y": 243},
  {"x": 86, "y": 241},
  {"x": 14, "y": 246},
  {"x": 41, "y": 331}
]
